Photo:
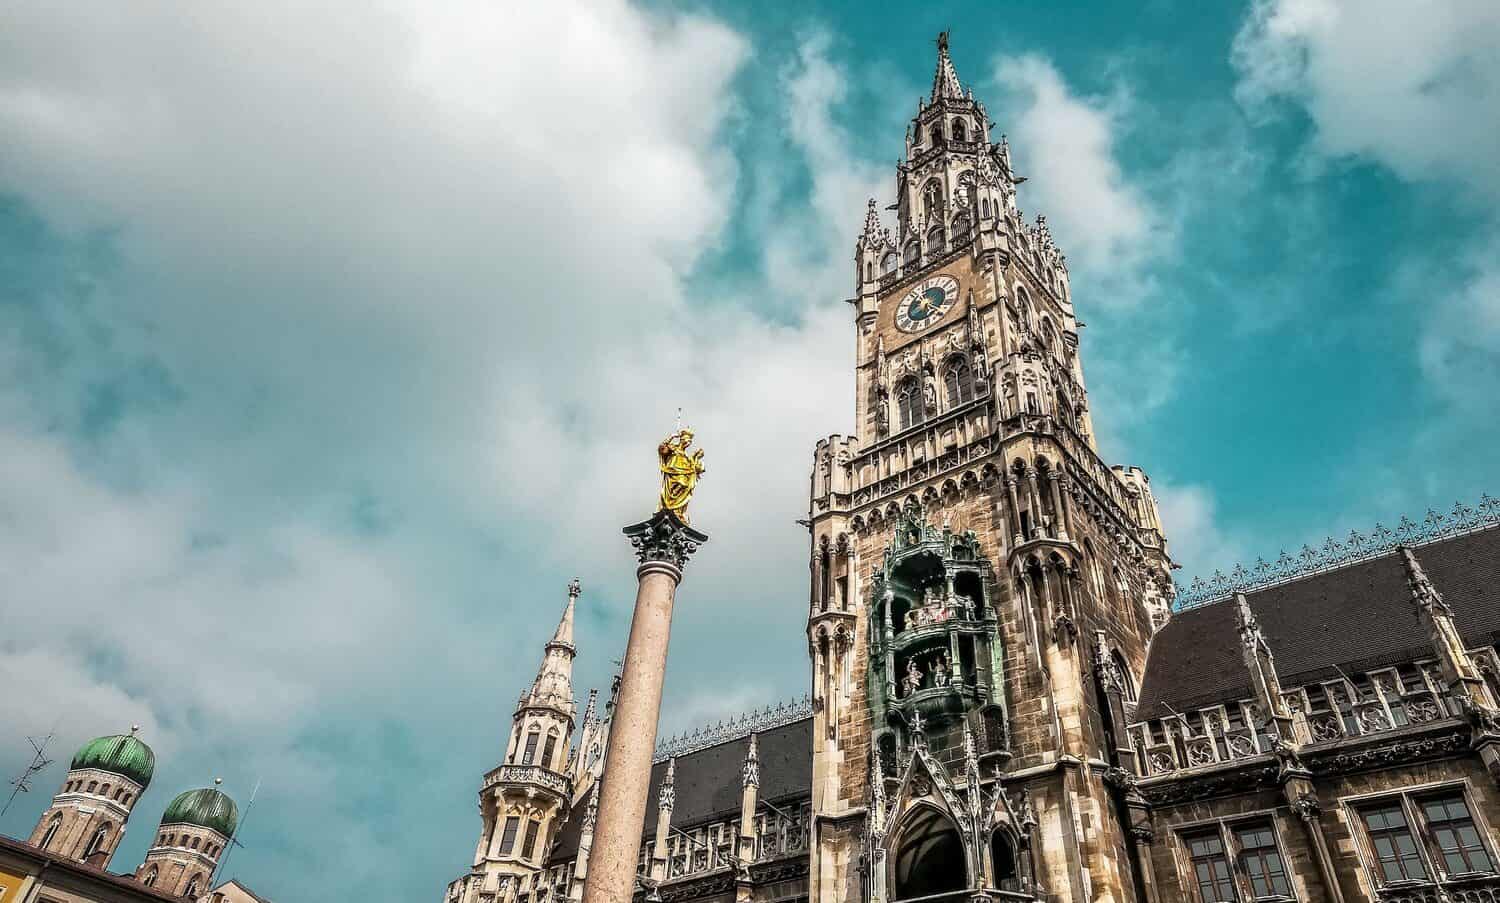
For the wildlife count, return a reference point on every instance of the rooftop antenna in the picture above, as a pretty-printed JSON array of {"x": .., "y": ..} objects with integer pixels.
[
  {"x": 233, "y": 838},
  {"x": 39, "y": 760}
]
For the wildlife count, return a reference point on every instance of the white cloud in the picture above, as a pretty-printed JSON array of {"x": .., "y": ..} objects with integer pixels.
[
  {"x": 1415, "y": 86},
  {"x": 1197, "y": 540},
  {"x": 1064, "y": 144},
  {"x": 413, "y": 290}
]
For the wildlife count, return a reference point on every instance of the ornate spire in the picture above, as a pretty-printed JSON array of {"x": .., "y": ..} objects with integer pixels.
[
  {"x": 1423, "y": 593},
  {"x": 553, "y": 687},
  {"x": 750, "y": 775},
  {"x": 666, "y": 797},
  {"x": 945, "y": 82},
  {"x": 873, "y": 228}
]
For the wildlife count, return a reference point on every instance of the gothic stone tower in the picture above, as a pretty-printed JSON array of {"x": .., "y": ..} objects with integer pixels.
[
  {"x": 983, "y": 583},
  {"x": 524, "y": 800}
]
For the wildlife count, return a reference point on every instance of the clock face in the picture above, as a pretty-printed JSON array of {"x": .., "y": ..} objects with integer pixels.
[{"x": 926, "y": 303}]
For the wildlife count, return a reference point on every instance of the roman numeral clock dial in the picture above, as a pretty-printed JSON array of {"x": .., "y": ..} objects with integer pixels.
[{"x": 926, "y": 303}]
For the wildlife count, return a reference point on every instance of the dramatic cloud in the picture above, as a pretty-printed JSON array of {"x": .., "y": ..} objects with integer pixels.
[
  {"x": 333, "y": 346},
  {"x": 1196, "y": 539},
  {"x": 1064, "y": 145},
  {"x": 1413, "y": 86}
]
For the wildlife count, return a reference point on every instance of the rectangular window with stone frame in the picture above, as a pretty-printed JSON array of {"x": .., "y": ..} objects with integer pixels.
[
  {"x": 508, "y": 835},
  {"x": 1236, "y": 862},
  {"x": 1423, "y": 836}
]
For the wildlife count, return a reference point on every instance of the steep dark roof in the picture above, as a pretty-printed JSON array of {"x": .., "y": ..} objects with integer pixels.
[
  {"x": 1355, "y": 618},
  {"x": 708, "y": 782}
]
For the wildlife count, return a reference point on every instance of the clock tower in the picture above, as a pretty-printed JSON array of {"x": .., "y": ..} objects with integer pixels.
[{"x": 983, "y": 583}]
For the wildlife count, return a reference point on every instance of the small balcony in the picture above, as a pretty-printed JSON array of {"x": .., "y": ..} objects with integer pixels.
[{"x": 529, "y": 776}]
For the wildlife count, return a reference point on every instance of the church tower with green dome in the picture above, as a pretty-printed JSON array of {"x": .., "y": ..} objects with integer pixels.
[
  {"x": 195, "y": 829},
  {"x": 87, "y": 816}
]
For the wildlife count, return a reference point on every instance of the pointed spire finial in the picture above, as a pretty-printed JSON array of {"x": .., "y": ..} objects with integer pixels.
[
  {"x": 135, "y": 729},
  {"x": 1423, "y": 593},
  {"x": 666, "y": 798},
  {"x": 945, "y": 83},
  {"x": 750, "y": 777},
  {"x": 574, "y": 588}
]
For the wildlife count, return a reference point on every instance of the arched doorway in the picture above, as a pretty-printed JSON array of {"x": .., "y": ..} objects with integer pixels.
[{"x": 929, "y": 857}]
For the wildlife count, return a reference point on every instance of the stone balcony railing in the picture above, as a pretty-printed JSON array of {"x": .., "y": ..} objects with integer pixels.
[
  {"x": 534, "y": 775},
  {"x": 1465, "y": 889},
  {"x": 1218, "y": 744}
]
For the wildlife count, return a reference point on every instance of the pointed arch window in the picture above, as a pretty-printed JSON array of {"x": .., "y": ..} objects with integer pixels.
[
  {"x": 532, "y": 738},
  {"x": 193, "y": 886},
  {"x": 51, "y": 831},
  {"x": 913, "y": 252},
  {"x": 548, "y": 750},
  {"x": 960, "y": 133},
  {"x": 888, "y": 263},
  {"x": 150, "y": 879},
  {"x": 958, "y": 380},
  {"x": 910, "y": 408},
  {"x": 1003, "y": 857},
  {"x": 97, "y": 842},
  {"x": 936, "y": 242}
]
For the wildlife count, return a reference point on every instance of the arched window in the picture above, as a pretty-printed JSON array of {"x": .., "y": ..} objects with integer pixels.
[
  {"x": 194, "y": 844},
  {"x": 93, "y": 786},
  {"x": 97, "y": 842},
  {"x": 913, "y": 253},
  {"x": 548, "y": 750},
  {"x": 1125, "y": 679},
  {"x": 869, "y": 271},
  {"x": 1003, "y": 855},
  {"x": 935, "y": 241},
  {"x": 959, "y": 132},
  {"x": 104, "y": 791},
  {"x": 51, "y": 831},
  {"x": 909, "y": 407},
  {"x": 958, "y": 380},
  {"x": 193, "y": 885},
  {"x": 937, "y": 133},
  {"x": 930, "y": 857},
  {"x": 532, "y": 738},
  {"x": 888, "y": 263},
  {"x": 150, "y": 879}
]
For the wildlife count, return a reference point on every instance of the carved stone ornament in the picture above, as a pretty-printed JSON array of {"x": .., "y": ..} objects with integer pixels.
[
  {"x": 1306, "y": 806},
  {"x": 664, "y": 538}
]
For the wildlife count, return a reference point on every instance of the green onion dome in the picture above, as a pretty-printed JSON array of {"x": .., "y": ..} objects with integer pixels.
[
  {"x": 206, "y": 808},
  {"x": 121, "y": 754}
]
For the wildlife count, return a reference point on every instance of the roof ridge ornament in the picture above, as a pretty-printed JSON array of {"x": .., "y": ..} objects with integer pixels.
[
  {"x": 750, "y": 723},
  {"x": 1336, "y": 553}
]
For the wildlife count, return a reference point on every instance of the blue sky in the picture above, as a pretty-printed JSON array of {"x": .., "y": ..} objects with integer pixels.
[{"x": 335, "y": 340}]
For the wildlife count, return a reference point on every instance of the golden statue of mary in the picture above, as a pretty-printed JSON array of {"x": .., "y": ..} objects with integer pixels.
[{"x": 679, "y": 473}]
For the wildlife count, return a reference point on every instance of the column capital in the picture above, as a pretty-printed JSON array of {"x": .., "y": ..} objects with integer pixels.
[{"x": 665, "y": 539}]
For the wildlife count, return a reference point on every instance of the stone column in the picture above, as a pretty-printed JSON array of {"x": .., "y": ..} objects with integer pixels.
[{"x": 663, "y": 545}]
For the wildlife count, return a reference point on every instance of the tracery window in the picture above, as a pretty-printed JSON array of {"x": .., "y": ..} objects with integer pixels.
[
  {"x": 958, "y": 380},
  {"x": 51, "y": 831},
  {"x": 910, "y": 408},
  {"x": 97, "y": 843}
]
